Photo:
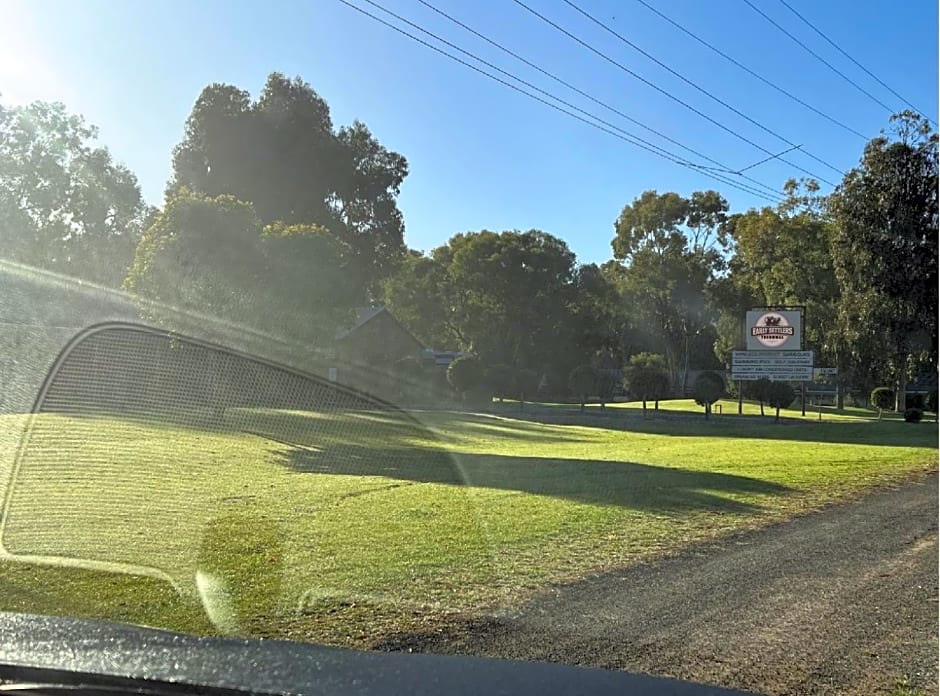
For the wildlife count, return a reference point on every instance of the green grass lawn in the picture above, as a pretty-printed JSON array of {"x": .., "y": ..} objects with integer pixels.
[{"x": 340, "y": 527}]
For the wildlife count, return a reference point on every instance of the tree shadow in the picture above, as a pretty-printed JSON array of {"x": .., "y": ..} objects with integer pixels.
[
  {"x": 623, "y": 484},
  {"x": 687, "y": 424}
]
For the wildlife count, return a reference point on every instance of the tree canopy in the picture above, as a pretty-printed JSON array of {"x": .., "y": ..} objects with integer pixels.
[
  {"x": 279, "y": 220},
  {"x": 212, "y": 256},
  {"x": 668, "y": 247},
  {"x": 65, "y": 205},
  {"x": 515, "y": 298},
  {"x": 646, "y": 377},
  {"x": 884, "y": 249},
  {"x": 282, "y": 154}
]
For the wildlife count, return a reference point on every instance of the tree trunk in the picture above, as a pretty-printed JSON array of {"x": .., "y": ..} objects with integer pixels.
[
  {"x": 741, "y": 398},
  {"x": 656, "y": 404},
  {"x": 901, "y": 395},
  {"x": 840, "y": 397},
  {"x": 685, "y": 367},
  {"x": 777, "y": 415},
  {"x": 762, "y": 407},
  {"x": 582, "y": 404},
  {"x": 707, "y": 409},
  {"x": 644, "y": 409}
]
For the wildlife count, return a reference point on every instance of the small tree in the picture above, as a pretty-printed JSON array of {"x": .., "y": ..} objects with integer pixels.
[
  {"x": 501, "y": 379},
  {"x": 465, "y": 374},
  {"x": 582, "y": 381},
  {"x": 527, "y": 384},
  {"x": 646, "y": 377},
  {"x": 758, "y": 390},
  {"x": 707, "y": 390},
  {"x": 882, "y": 398},
  {"x": 780, "y": 395}
]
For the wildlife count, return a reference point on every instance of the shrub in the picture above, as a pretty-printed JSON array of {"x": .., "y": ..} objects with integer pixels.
[
  {"x": 914, "y": 401},
  {"x": 646, "y": 378},
  {"x": 465, "y": 374},
  {"x": 882, "y": 398},
  {"x": 582, "y": 382},
  {"x": 758, "y": 390},
  {"x": 913, "y": 415},
  {"x": 707, "y": 390},
  {"x": 780, "y": 395}
]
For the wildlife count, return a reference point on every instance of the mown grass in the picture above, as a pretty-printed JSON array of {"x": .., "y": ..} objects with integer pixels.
[{"x": 340, "y": 527}]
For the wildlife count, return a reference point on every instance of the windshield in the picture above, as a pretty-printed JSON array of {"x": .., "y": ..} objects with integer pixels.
[{"x": 592, "y": 332}]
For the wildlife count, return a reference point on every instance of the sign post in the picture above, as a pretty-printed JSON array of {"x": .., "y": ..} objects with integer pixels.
[{"x": 774, "y": 342}]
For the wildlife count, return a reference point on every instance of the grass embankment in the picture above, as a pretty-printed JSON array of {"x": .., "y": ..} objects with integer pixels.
[{"x": 341, "y": 527}]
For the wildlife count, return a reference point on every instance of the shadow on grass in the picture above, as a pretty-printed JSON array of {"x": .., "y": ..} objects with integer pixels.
[
  {"x": 623, "y": 484},
  {"x": 385, "y": 428},
  {"x": 895, "y": 433}
]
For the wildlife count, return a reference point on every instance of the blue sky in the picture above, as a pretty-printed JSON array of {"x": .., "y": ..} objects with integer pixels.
[{"x": 482, "y": 156}]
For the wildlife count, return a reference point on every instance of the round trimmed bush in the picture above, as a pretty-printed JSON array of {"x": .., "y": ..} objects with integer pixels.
[
  {"x": 882, "y": 398},
  {"x": 465, "y": 374},
  {"x": 582, "y": 381},
  {"x": 780, "y": 395},
  {"x": 913, "y": 415},
  {"x": 707, "y": 390}
]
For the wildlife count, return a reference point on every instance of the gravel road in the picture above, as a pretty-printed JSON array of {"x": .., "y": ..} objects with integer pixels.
[{"x": 842, "y": 601}]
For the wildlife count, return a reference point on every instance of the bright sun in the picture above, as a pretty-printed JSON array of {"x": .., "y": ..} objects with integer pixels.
[{"x": 26, "y": 73}]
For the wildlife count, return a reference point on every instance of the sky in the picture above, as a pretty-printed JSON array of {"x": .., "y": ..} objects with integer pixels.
[{"x": 482, "y": 156}]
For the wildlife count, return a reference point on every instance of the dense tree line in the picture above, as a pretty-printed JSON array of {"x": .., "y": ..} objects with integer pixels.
[{"x": 278, "y": 219}]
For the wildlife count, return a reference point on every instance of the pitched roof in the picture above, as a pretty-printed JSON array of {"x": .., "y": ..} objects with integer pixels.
[{"x": 363, "y": 315}]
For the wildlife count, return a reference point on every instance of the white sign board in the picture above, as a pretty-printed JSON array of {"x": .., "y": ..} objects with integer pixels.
[
  {"x": 825, "y": 372},
  {"x": 777, "y": 365},
  {"x": 767, "y": 329}
]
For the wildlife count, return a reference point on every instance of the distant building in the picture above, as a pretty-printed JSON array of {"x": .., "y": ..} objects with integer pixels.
[{"x": 376, "y": 339}]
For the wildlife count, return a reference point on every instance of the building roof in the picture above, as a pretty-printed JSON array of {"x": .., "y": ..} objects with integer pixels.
[
  {"x": 366, "y": 314},
  {"x": 363, "y": 315}
]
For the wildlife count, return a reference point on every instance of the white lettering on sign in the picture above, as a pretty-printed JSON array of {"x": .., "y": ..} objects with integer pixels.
[{"x": 784, "y": 366}]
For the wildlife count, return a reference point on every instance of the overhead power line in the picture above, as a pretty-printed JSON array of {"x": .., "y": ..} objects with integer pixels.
[
  {"x": 655, "y": 150},
  {"x": 818, "y": 57},
  {"x": 633, "y": 137},
  {"x": 692, "y": 84},
  {"x": 721, "y": 167},
  {"x": 671, "y": 96},
  {"x": 767, "y": 159},
  {"x": 859, "y": 65},
  {"x": 750, "y": 72}
]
